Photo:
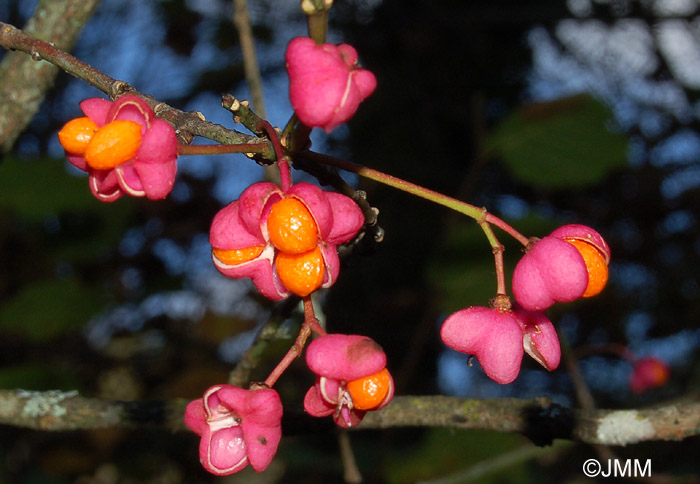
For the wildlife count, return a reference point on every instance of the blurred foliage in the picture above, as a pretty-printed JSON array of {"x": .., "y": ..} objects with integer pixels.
[
  {"x": 47, "y": 309},
  {"x": 38, "y": 377},
  {"x": 566, "y": 143},
  {"x": 51, "y": 225},
  {"x": 462, "y": 270},
  {"x": 41, "y": 193},
  {"x": 38, "y": 188},
  {"x": 468, "y": 448}
]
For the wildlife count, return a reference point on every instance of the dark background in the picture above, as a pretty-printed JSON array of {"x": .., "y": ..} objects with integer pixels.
[{"x": 121, "y": 300}]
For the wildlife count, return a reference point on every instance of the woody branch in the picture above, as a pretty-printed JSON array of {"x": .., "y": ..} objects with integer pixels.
[
  {"x": 187, "y": 125},
  {"x": 539, "y": 419}
]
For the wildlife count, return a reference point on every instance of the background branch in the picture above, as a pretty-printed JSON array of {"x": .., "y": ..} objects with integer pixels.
[
  {"x": 538, "y": 419},
  {"x": 583, "y": 392},
  {"x": 241, "y": 19},
  {"x": 56, "y": 410},
  {"x": 542, "y": 421},
  {"x": 23, "y": 80}
]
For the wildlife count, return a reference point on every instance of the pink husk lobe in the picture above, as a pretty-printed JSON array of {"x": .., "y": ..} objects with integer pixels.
[{"x": 151, "y": 172}]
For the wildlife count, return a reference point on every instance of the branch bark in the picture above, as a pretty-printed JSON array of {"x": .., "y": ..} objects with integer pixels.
[
  {"x": 24, "y": 80},
  {"x": 539, "y": 419},
  {"x": 56, "y": 410},
  {"x": 187, "y": 125}
]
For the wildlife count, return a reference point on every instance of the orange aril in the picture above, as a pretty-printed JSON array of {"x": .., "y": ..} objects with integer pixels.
[
  {"x": 291, "y": 226},
  {"x": 76, "y": 134},
  {"x": 113, "y": 144},
  {"x": 369, "y": 392},
  {"x": 233, "y": 257},
  {"x": 595, "y": 264},
  {"x": 301, "y": 273}
]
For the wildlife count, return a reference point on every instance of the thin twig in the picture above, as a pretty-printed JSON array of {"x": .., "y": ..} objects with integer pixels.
[
  {"x": 317, "y": 18},
  {"x": 309, "y": 325},
  {"x": 497, "y": 249},
  {"x": 351, "y": 473},
  {"x": 583, "y": 392},
  {"x": 187, "y": 125},
  {"x": 242, "y": 113},
  {"x": 241, "y": 19},
  {"x": 249, "y": 149},
  {"x": 268, "y": 334},
  {"x": 285, "y": 170}
]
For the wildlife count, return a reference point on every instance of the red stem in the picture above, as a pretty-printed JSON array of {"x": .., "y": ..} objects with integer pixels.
[
  {"x": 309, "y": 325},
  {"x": 497, "y": 249},
  {"x": 478, "y": 214},
  {"x": 310, "y": 317},
  {"x": 282, "y": 160},
  {"x": 493, "y": 220}
]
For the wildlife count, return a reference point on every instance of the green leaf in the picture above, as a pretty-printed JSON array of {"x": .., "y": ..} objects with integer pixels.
[
  {"x": 561, "y": 144},
  {"x": 36, "y": 188},
  {"x": 465, "y": 449},
  {"x": 462, "y": 270},
  {"x": 40, "y": 188},
  {"x": 49, "y": 308},
  {"x": 38, "y": 377}
]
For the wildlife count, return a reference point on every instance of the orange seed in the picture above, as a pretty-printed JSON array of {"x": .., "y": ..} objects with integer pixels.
[
  {"x": 291, "y": 226},
  {"x": 76, "y": 134},
  {"x": 113, "y": 144},
  {"x": 301, "y": 273},
  {"x": 595, "y": 264},
  {"x": 369, "y": 392},
  {"x": 233, "y": 257}
]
